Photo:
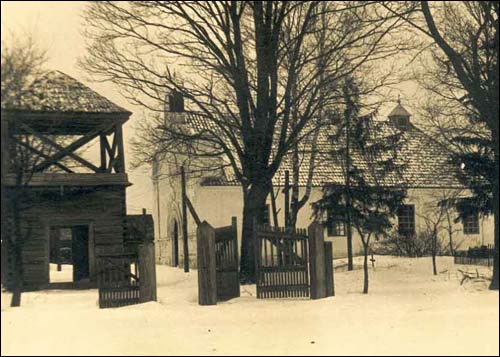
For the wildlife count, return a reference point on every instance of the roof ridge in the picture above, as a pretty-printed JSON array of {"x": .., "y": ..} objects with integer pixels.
[{"x": 56, "y": 91}]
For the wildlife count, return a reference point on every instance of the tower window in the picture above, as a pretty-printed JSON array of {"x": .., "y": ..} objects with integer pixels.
[{"x": 175, "y": 102}]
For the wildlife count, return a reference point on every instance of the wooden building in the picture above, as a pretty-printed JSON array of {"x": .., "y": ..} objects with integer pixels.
[{"x": 63, "y": 192}]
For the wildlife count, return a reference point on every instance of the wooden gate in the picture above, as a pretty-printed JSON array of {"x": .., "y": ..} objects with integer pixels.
[
  {"x": 126, "y": 279},
  {"x": 226, "y": 262},
  {"x": 217, "y": 255},
  {"x": 118, "y": 280},
  {"x": 281, "y": 256}
]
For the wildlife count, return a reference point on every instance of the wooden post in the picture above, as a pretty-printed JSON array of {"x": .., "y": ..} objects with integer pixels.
[
  {"x": 329, "y": 283},
  {"x": 234, "y": 225},
  {"x": 317, "y": 260},
  {"x": 147, "y": 271},
  {"x": 286, "y": 191},
  {"x": 121, "y": 150},
  {"x": 207, "y": 276},
  {"x": 144, "y": 226},
  {"x": 193, "y": 211},
  {"x": 103, "y": 142},
  {"x": 58, "y": 249},
  {"x": 184, "y": 221}
]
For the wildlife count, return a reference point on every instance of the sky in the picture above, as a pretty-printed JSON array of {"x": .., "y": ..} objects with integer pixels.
[{"x": 57, "y": 27}]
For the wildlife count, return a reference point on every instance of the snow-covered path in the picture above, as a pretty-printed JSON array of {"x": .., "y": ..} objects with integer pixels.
[{"x": 408, "y": 311}]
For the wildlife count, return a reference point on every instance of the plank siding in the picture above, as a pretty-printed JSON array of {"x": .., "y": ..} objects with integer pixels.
[{"x": 102, "y": 208}]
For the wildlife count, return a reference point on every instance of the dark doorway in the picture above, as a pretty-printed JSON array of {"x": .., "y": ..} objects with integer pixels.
[
  {"x": 175, "y": 245},
  {"x": 80, "y": 250},
  {"x": 69, "y": 254}
]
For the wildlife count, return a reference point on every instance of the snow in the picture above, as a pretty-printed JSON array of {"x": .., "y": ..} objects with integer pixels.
[
  {"x": 407, "y": 311},
  {"x": 63, "y": 276}
]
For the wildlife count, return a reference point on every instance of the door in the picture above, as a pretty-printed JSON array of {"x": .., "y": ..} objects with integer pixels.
[{"x": 80, "y": 252}]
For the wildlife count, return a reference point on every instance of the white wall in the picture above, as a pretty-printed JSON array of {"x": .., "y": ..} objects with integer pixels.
[{"x": 217, "y": 204}]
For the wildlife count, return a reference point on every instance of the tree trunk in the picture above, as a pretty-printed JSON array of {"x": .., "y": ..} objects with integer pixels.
[
  {"x": 17, "y": 255},
  {"x": 365, "y": 268},
  {"x": 434, "y": 248},
  {"x": 347, "y": 116},
  {"x": 254, "y": 202},
  {"x": 350, "y": 264},
  {"x": 450, "y": 233},
  {"x": 494, "y": 281}
]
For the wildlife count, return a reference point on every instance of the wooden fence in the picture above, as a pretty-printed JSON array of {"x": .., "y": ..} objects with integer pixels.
[
  {"x": 293, "y": 263},
  {"x": 118, "y": 280},
  {"x": 476, "y": 256},
  {"x": 217, "y": 254},
  {"x": 126, "y": 279}
]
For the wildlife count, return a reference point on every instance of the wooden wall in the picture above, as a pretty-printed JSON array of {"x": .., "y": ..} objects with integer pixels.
[{"x": 102, "y": 208}]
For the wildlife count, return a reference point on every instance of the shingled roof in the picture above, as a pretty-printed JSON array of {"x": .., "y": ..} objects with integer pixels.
[
  {"x": 427, "y": 163},
  {"x": 58, "y": 92},
  {"x": 399, "y": 111}
]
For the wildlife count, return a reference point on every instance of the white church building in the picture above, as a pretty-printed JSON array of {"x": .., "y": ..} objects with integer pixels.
[{"x": 216, "y": 198}]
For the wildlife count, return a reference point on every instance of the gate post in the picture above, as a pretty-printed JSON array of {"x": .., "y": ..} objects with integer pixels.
[
  {"x": 147, "y": 271},
  {"x": 330, "y": 286},
  {"x": 317, "y": 261},
  {"x": 207, "y": 277}
]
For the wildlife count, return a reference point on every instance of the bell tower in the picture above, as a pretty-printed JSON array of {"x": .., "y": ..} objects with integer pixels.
[{"x": 399, "y": 116}]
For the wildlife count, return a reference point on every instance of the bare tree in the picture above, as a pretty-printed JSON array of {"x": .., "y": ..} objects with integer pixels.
[
  {"x": 22, "y": 63},
  {"x": 464, "y": 49},
  {"x": 236, "y": 67}
]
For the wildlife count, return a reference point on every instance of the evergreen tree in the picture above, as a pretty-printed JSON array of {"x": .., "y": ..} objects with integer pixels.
[
  {"x": 376, "y": 187},
  {"x": 477, "y": 161}
]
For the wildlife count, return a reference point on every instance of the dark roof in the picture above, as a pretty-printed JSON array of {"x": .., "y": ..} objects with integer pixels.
[
  {"x": 399, "y": 111},
  {"x": 427, "y": 164},
  {"x": 57, "y": 92}
]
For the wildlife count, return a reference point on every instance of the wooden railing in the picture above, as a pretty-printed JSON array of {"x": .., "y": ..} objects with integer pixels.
[{"x": 476, "y": 256}]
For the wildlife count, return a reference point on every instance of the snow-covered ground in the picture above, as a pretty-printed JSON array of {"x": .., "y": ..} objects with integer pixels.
[{"x": 408, "y": 311}]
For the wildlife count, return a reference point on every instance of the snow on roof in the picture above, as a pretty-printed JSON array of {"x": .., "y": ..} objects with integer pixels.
[{"x": 58, "y": 92}]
